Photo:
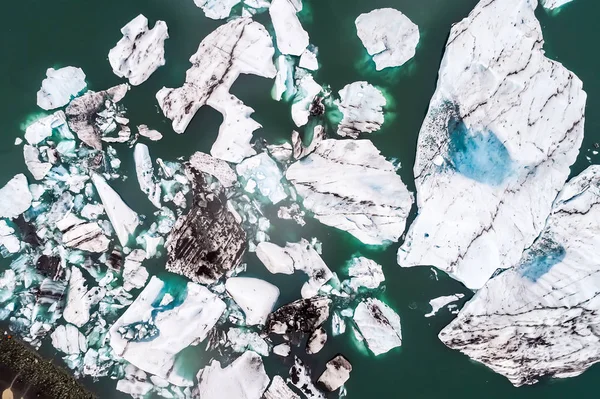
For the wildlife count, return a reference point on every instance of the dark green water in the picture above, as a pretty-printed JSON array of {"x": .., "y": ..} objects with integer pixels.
[{"x": 40, "y": 34}]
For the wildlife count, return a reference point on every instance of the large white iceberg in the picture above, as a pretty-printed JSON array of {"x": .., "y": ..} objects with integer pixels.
[
  {"x": 15, "y": 197},
  {"x": 140, "y": 52},
  {"x": 161, "y": 323},
  {"x": 503, "y": 128},
  {"x": 292, "y": 39},
  {"x": 69, "y": 340},
  {"x": 42, "y": 128},
  {"x": 541, "y": 317},
  {"x": 361, "y": 105},
  {"x": 347, "y": 184},
  {"x": 389, "y": 36},
  {"x": 60, "y": 86},
  {"x": 256, "y": 297}
]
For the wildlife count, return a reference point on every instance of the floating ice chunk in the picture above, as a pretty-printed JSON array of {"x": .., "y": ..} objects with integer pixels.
[
  {"x": 389, "y": 36},
  {"x": 282, "y": 350},
  {"x": 316, "y": 341},
  {"x": 69, "y": 340},
  {"x": 135, "y": 382},
  {"x": 145, "y": 174},
  {"x": 439, "y": 302},
  {"x": 308, "y": 60},
  {"x": 338, "y": 324},
  {"x": 122, "y": 218},
  {"x": 153, "y": 135},
  {"x": 279, "y": 390},
  {"x": 505, "y": 162},
  {"x": 8, "y": 239},
  {"x": 379, "y": 325},
  {"x": 242, "y": 340},
  {"x": 300, "y": 378},
  {"x": 284, "y": 80},
  {"x": 292, "y": 212},
  {"x": 134, "y": 274},
  {"x": 240, "y": 46},
  {"x": 140, "y": 52},
  {"x": 214, "y": 167},
  {"x": 15, "y": 197},
  {"x": 60, "y": 86},
  {"x": 245, "y": 378},
  {"x": 336, "y": 374},
  {"x": 80, "y": 300},
  {"x": 291, "y": 37},
  {"x": 92, "y": 211},
  {"x": 263, "y": 170},
  {"x": 217, "y": 9},
  {"x": 539, "y": 318},
  {"x": 172, "y": 327},
  {"x": 299, "y": 317},
  {"x": 362, "y": 106},
  {"x": 76, "y": 233},
  {"x": 42, "y": 128},
  {"x": 350, "y": 186},
  {"x": 256, "y": 297},
  {"x": 554, "y": 4},
  {"x": 282, "y": 153},
  {"x": 307, "y": 90},
  {"x": 364, "y": 273},
  {"x": 38, "y": 169}
]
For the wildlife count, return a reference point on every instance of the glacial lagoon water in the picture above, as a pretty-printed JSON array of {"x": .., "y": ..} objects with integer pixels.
[{"x": 37, "y": 35}]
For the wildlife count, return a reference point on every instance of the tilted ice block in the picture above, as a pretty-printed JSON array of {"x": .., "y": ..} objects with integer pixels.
[
  {"x": 347, "y": 184},
  {"x": 256, "y": 297},
  {"x": 379, "y": 325},
  {"x": 306, "y": 91},
  {"x": 291, "y": 37},
  {"x": 503, "y": 128},
  {"x": 245, "y": 378},
  {"x": 42, "y": 128},
  {"x": 439, "y": 302},
  {"x": 60, "y": 86},
  {"x": 140, "y": 52},
  {"x": 361, "y": 105},
  {"x": 264, "y": 172},
  {"x": 153, "y": 330},
  {"x": 15, "y": 197},
  {"x": 389, "y": 36},
  {"x": 541, "y": 317},
  {"x": 336, "y": 374}
]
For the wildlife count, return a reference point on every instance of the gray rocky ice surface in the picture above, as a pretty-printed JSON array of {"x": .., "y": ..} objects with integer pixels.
[{"x": 336, "y": 373}]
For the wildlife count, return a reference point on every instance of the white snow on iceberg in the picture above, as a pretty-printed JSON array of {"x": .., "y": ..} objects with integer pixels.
[
  {"x": 15, "y": 197},
  {"x": 361, "y": 105},
  {"x": 256, "y": 297},
  {"x": 292, "y": 39},
  {"x": 60, "y": 86},
  {"x": 379, "y": 325}
]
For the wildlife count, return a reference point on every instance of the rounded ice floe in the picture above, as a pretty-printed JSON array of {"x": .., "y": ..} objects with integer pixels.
[
  {"x": 291, "y": 37},
  {"x": 389, "y": 36},
  {"x": 60, "y": 86},
  {"x": 361, "y": 105},
  {"x": 256, "y": 297},
  {"x": 15, "y": 197},
  {"x": 140, "y": 52},
  {"x": 69, "y": 340}
]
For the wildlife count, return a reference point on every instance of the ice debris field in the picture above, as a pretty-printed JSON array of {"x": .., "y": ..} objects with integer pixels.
[{"x": 77, "y": 249}]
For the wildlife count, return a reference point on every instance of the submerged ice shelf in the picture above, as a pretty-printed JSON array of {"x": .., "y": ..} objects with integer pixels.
[{"x": 495, "y": 148}]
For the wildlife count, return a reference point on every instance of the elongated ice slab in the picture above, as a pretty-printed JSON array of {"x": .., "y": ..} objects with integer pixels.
[
  {"x": 439, "y": 302},
  {"x": 554, "y": 4},
  {"x": 291, "y": 37},
  {"x": 389, "y": 36},
  {"x": 145, "y": 174},
  {"x": 80, "y": 300},
  {"x": 503, "y": 128},
  {"x": 350, "y": 186},
  {"x": 60, "y": 86},
  {"x": 379, "y": 325}
]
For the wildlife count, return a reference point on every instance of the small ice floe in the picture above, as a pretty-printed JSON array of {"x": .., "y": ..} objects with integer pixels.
[
  {"x": 145, "y": 174},
  {"x": 140, "y": 52},
  {"x": 221, "y": 9},
  {"x": 80, "y": 300},
  {"x": 134, "y": 274},
  {"x": 279, "y": 389},
  {"x": 38, "y": 169},
  {"x": 245, "y": 378},
  {"x": 262, "y": 173},
  {"x": 347, "y": 184},
  {"x": 124, "y": 220},
  {"x": 292, "y": 212},
  {"x": 87, "y": 236},
  {"x": 284, "y": 86},
  {"x": 299, "y": 318},
  {"x": 256, "y": 297},
  {"x": 308, "y": 60},
  {"x": 336, "y": 373},
  {"x": 69, "y": 340},
  {"x": 282, "y": 350},
  {"x": 554, "y": 4},
  {"x": 365, "y": 273},
  {"x": 361, "y": 105},
  {"x": 307, "y": 91},
  {"x": 145, "y": 131},
  {"x": 15, "y": 197},
  {"x": 161, "y": 323},
  {"x": 316, "y": 341},
  {"x": 292, "y": 39},
  {"x": 300, "y": 377},
  {"x": 300, "y": 256},
  {"x": 9, "y": 243},
  {"x": 215, "y": 167},
  {"x": 60, "y": 86},
  {"x": 242, "y": 340},
  {"x": 389, "y": 36},
  {"x": 438, "y": 303},
  {"x": 379, "y": 325}
]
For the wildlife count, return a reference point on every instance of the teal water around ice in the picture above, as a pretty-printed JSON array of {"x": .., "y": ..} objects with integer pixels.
[{"x": 39, "y": 34}]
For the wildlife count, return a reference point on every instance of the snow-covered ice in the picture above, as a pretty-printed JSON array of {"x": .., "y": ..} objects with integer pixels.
[
  {"x": 256, "y": 297},
  {"x": 262, "y": 170},
  {"x": 292, "y": 39},
  {"x": 15, "y": 197},
  {"x": 145, "y": 174},
  {"x": 379, "y": 325},
  {"x": 69, "y": 340},
  {"x": 42, "y": 128},
  {"x": 365, "y": 273},
  {"x": 80, "y": 300},
  {"x": 361, "y": 105},
  {"x": 60, "y": 86},
  {"x": 439, "y": 302}
]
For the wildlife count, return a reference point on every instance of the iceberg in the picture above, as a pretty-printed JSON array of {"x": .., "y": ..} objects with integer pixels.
[
  {"x": 76, "y": 233},
  {"x": 240, "y": 46},
  {"x": 42, "y": 128},
  {"x": 301, "y": 379},
  {"x": 69, "y": 340},
  {"x": 347, "y": 184},
  {"x": 140, "y": 52},
  {"x": 279, "y": 390},
  {"x": 364, "y": 273},
  {"x": 379, "y": 325},
  {"x": 134, "y": 274},
  {"x": 242, "y": 340},
  {"x": 80, "y": 300},
  {"x": 123, "y": 219},
  {"x": 337, "y": 372},
  {"x": 291, "y": 37},
  {"x": 307, "y": 91},
  {"x": 214, "y": 167},
  {"x": 256, "y": 297},
  {"x": 282, "y": 350},
  {"x": 15, "y": 197},
  {"x": 503, "y": 128},
  {"x": 217, "y": 9},
  {"x": 540, "y": 317},
  {"x": 361, "y": 105},
  {"x": 38, "y": 169},
  {"x": 60, "y": 86},
  {"x": 389, "y": 36},
  {"x": 163, "y": 321},
  {"x": 554, "y": 4},
  {"x": 153, "y": 135},
  {"x": 266, "y": 175},
  {"x": 439, "y": 302},
  {"x": 299, "y": 318},
  {"x": 145, "y": 174},
  {"x": 8, "y": 239},
  {"x": 316, "y": 341},
  {"x": 245, "y": 378},
  {"x": 308, "y": 59}
]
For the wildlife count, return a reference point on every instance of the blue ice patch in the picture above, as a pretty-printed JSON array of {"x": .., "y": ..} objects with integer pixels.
[
  {"x": 480, "y": 156},
  {"x": 541, "y": 260}
]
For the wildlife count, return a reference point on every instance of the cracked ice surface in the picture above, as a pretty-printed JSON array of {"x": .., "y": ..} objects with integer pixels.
[
  {"x": 347, "y": 184},
  {"x": 503, "y": 127},
  {"x": 291, "y": 37},
  {"x": 60, "y": 86},
  {"x": 240, "y": 46},
  {"x": 362, "y": 106},
  {"x": 541, "y": 317},
  {"x": 215, "y": 167},
  {"x": 262, "y": 172},
  {"x": 140, "y": 52},
  {"x": 173, "y": 324},
  {"x": 389, "y": 36}
]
